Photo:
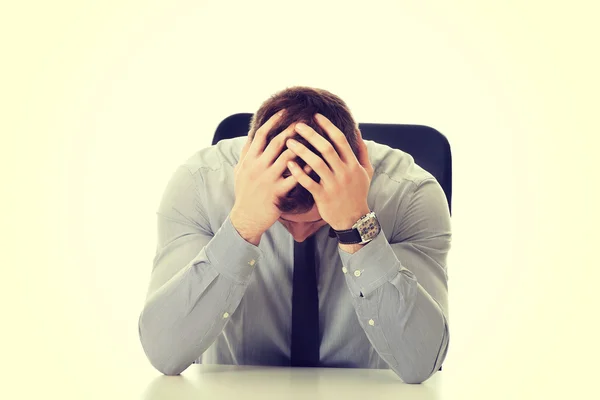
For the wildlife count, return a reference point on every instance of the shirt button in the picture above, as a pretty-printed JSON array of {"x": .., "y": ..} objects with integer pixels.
[
  {"x": 357, "y": 273},
  {"x": 344, "y": 269},
  {"x": 226, "y": 315},
  {"x": 252, "y": 262},
  {"x": 371, "y": 322}
]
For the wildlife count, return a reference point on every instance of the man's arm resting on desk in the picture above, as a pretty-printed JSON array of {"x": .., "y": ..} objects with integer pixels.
[
  {"x": 399, "y": 290},
  {"x": 196, "y": 283}
]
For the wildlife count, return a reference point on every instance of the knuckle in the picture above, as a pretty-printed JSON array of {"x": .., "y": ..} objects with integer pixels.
[
  {"x": 262, "y": 131},
  {"x": 253, "y": 170},
  {"x": 280, "y": 141},
  {"x": 345, "y": 178},
  {"x": 287, "y": 155},
  {"x": 329, "y": 151},
  {"x": 321, "y": 164}
]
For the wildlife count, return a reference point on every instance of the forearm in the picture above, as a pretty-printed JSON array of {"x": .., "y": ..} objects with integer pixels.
[
  {"x": 184, "y": 316},
  {"x": 403, "y": 322},
  {"x": 407, "y": 328},
  {"x": 351, "y": 248},
  {"x": 174, "y": 333}
]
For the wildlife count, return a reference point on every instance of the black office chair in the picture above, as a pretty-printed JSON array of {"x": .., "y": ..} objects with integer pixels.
[{"x": 429, "y": 148}]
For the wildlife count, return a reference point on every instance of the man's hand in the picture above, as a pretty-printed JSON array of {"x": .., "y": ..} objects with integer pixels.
[
  {"x": 259, "y": 181},
  {"x": 341, "y": 195}
]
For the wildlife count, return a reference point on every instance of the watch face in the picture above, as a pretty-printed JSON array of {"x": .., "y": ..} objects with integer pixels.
[{"x": 368, "y": 227}]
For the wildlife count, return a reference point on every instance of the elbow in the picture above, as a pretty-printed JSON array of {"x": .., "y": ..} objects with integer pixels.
[
  {"x": 169, "y": 370},
  {"x": 166, "y": 366},
  {"x": 416, "y": 376},
  {"x": 160, "y": 352},
  {"x": 425, "y": 370},
  {"x": 414, "y": 379}
]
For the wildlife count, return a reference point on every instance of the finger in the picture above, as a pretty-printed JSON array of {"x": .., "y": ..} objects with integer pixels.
[
  {"x": 315, "y": 162},
  {"x": 280, "y": 165},
  {"x": 306, "y": 181},
  {"x": 277, "y": 144},
  {"x": 285, "y": 185},
  {"x": 363, "y": 154},
  {"x": 337, "y": 137},
  {"x": 322, "y": 145},
  {"x": 245, "y": 150},
  {"x": 260, "y": 136}
]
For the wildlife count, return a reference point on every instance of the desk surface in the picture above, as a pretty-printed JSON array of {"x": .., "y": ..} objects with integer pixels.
[{"x": 249, "y": 382}]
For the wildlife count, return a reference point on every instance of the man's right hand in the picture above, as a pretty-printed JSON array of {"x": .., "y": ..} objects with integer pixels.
[{"x": 259, "y": 181}]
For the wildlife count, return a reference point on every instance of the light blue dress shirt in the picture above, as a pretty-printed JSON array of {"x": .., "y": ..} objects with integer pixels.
[{"x": 214, "y": 298}]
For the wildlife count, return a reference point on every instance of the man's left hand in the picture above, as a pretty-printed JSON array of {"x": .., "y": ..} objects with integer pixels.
[{"x": 341, "y": 195}]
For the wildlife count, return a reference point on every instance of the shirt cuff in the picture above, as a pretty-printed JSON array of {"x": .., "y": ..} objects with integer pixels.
[
  {"x": 371, "y": 266},
  {"x": 231, "y": 255}
]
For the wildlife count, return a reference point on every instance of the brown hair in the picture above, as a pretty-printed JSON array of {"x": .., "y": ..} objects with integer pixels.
[{"x": 301, "y": 103}]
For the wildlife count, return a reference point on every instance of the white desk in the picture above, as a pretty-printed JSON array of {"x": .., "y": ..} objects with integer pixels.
[{"x": 249, "y": 382}]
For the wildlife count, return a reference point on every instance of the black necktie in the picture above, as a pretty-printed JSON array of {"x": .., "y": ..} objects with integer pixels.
[{"x": 305, "y": 306}]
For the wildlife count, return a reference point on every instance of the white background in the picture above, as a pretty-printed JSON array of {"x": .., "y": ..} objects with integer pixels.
[{"x": 101, "y": 101}]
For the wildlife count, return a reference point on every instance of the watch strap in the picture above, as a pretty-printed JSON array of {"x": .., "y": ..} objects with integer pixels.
[{"x": 348, "y": 236}]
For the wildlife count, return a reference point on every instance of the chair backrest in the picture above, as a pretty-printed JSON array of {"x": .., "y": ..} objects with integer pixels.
[{"x": 429, "y": 148}]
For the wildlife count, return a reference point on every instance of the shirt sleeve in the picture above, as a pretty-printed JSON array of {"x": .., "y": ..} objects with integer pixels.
[
  {"x": 197, "y": 281},
  {"x": 399, "y": 286}
]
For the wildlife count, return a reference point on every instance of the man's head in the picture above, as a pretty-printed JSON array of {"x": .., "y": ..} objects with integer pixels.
[{"x": 299, "y": 213}]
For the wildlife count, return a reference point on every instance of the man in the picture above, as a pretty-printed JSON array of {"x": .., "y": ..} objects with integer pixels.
[{"x": 230, "y": 282}]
